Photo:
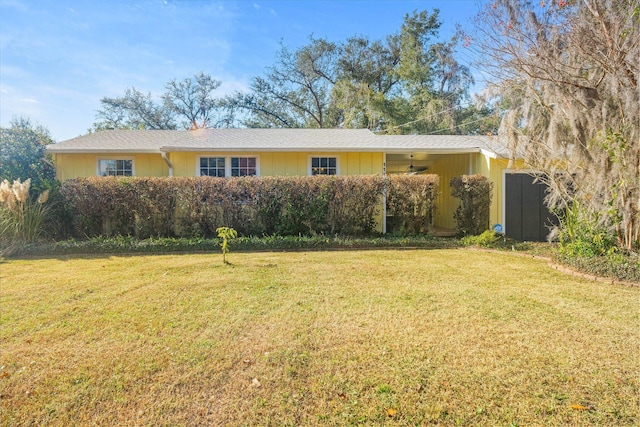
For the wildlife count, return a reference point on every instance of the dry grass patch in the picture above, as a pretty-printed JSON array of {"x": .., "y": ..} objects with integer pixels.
[{"x": 447, "y": 337}]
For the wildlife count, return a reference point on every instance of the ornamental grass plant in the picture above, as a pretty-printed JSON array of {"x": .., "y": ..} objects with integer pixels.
[{"x": 21, "y": 218}]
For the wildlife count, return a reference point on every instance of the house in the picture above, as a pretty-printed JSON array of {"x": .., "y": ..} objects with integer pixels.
[{"x": 517, "y": 202}]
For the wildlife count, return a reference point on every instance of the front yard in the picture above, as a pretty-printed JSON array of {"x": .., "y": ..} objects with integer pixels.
[{"x": 380, "y": 337}]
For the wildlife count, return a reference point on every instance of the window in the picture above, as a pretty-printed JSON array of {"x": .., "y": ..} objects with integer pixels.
[
  {"x": 115, "y": 167},
  {"x": 324, "y": 166},
  {"x": 243, "y": 166},
  {"x": 212, "y": 166}
]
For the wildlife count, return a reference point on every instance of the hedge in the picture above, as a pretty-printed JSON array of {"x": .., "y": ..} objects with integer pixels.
[
  {"x": 197, "y": 206},
  {"x": 411, "y": 201},
  {"x": 472, "y": 214},
  {"x": 254, "y": 206}
]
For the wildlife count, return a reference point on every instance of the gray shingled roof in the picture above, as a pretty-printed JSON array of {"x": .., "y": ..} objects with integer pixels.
[
  {"x": 121, "y": 141},
  {"x": 256, "y": 140},
  {"x": 274, "y": 139},
  {"x": 444, "y": 143}
]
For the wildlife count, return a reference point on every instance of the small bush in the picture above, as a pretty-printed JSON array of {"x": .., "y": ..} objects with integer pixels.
[
  {"x": 580, "y": 235},
  {"x": 474, "y": 192},
  {"x": 226, "y": 234},
  {"x": 488, "y": 239}
]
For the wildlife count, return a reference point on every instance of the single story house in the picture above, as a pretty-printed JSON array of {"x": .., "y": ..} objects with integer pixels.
[{"x": 517, "y": 202}]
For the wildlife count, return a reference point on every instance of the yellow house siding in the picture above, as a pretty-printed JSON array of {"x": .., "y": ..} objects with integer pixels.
[
  {"x": 150, "y": 165},
  {"x": 183, "y": 163},
  {"x": 70, "y": 166},
  {"x": 495, "y": 175},
  {"x": 447, "y": 167},
  {"x": 361, "y": 163},
  {"x": 284, "y": 163}
]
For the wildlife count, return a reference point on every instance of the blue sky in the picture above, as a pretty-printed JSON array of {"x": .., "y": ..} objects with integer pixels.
[{"x": 58, "y": 58}]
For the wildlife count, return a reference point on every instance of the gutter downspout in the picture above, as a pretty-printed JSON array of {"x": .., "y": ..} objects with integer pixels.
[{"x": 166, "y": 160}]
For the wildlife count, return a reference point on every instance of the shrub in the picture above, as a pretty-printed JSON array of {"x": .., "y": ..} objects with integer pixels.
[
  {"x": 587, "y": 246},
  {"x": 411, "y": 201},
  {"x": 579, "y": 234},
  {"x": 474, "y": 192},
  {"x": 101, "y": 206},
  {"x": 488, "y": 239}
]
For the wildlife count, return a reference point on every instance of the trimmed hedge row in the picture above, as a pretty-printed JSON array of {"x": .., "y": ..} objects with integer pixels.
[{"x": 197, "y": 206}]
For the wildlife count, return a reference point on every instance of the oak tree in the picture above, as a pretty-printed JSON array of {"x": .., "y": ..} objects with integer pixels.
[{"x": 188, "y": 103}]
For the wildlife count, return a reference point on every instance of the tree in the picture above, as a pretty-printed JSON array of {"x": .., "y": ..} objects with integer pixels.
[
  {"x": 407, "y": 83},
  {"x": 295, "y": 92},
  {"x": 193, "y": 101},
  {"x": 134, "y": 110},
  {"x": 436, "y": 83},
  {"x": 568, "y": 72},
  {"x": 367, "y": 90},
  {"x": 23, "y": 156},
  {"x": 189, "y": 103}
]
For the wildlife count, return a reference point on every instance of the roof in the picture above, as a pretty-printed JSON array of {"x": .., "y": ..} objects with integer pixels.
[
  {"x": 259, "y": 140},
  {"x": 445, "y": 144}
]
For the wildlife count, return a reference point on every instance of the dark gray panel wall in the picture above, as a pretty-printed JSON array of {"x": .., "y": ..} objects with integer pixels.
[{"x": 526, "y": 216}]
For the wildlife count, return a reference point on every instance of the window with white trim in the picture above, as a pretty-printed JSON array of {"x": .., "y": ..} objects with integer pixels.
[
  {"x": 212, "y": 166},
  {"x": 324, "y": 166},
  {"x": 244, "y": 166},
  {"x": 115, "y": 167}
]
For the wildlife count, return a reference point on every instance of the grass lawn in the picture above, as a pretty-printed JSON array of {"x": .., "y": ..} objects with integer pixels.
[{"x": 388, "y": 337}]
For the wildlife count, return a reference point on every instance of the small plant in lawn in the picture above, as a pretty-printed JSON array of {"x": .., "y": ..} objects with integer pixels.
[{"x": 226, "y": 234}]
